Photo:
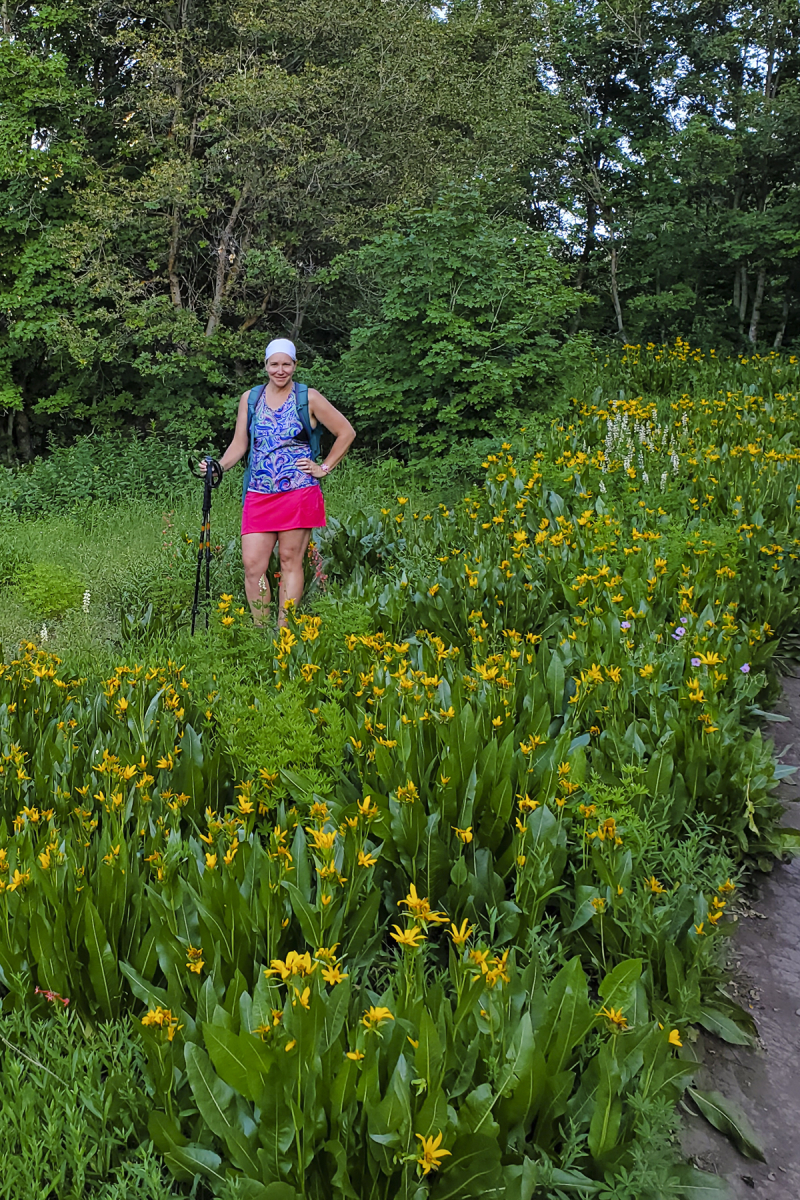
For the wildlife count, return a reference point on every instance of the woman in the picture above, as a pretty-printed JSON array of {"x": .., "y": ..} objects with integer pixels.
[{"x": 283, "y": 501}]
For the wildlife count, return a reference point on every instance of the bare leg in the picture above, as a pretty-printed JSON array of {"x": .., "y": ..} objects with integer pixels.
[
  {"x": 293, "y": 544},
  {"x": 256, "y": 552}
]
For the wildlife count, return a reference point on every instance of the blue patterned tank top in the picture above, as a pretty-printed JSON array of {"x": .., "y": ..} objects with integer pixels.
[{"x": 279, "y": 441}]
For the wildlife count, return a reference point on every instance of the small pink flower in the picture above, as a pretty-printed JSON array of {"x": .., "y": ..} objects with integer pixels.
[{"x": 51, "y": 996}]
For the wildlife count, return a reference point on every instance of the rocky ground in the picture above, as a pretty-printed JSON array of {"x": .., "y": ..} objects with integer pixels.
[{"x": 764, "y": 1081}]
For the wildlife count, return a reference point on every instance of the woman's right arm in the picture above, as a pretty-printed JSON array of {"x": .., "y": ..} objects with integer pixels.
[{"x": 240, "y": 443}]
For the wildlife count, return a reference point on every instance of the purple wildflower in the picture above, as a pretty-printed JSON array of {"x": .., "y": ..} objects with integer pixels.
[
  {"x": 625, "y": 625},
  {"x": 679, "y": 632},
  {"x": 695, "y": 662},
  {"x": 684, "y": 620},
  {"x": 745, "y": 668}
]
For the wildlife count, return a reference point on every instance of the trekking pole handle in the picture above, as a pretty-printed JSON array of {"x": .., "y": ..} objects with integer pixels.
[{"x": 213, "y": 470}]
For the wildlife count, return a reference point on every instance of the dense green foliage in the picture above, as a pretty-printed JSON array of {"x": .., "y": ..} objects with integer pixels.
[
  {"x": 463, "y": 332},
  {"x": 73, "y": 1110},
  {"x": 184, "y": 181},
  {"x": 423, "y": 894}
]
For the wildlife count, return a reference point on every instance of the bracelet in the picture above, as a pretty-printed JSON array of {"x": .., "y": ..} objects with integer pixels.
[{"x": 325, "y": 468}]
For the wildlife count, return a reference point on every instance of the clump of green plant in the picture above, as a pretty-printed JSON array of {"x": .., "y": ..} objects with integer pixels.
[
  {"x": 72, "y": 1105},
  {"x": 272, "y": 731},
  {"x": 50, "y": 589},
  {"x": 12, "y": 562}
]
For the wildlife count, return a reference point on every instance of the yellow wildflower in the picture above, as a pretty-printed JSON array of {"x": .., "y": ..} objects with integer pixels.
[
  {"x": 411, "y": 938},
  {"x": 432, "y": 1154}
]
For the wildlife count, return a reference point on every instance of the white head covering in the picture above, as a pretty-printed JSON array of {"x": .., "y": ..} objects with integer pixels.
[{"x": 280, "y": 346}]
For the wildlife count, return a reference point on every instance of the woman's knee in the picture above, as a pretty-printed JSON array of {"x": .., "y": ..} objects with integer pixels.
[
  {"x": 254, "y": 565},
  {"x": 292, "y": 553}
]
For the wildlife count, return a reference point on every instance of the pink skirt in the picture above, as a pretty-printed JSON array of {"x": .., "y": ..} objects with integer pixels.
[{"x": 301, "y": 508}]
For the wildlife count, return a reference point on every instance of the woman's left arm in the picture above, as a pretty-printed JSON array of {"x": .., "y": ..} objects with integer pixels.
[{"x": 322, "y": 410}]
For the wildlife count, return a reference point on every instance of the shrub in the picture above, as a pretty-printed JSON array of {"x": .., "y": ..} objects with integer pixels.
[
  {"x": 50, "y": 589},
  {"x": 464, "y": 330}
]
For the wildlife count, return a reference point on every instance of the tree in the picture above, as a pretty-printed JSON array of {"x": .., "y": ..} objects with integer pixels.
[
  {"x": 464, "y": 327},
  {"x": 251, "y": 145}
]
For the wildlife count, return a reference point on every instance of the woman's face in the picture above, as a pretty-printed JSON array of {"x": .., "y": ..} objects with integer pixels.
[{"x": 280, "y": 368}]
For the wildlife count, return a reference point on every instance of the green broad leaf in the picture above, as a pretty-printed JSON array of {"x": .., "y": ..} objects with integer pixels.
[
  {"x": 144, "y": 990},
  {"x": 103, "y": 968},
  {"x": 521, "y": 1106},
  {"x": 216, "y": 927},
  {"x": 393, "y": 1114},
  {"x": 432, "y": 1117},
  {"x": 472, "y": 1171},
  {"x": 361, "y": 924},
  {"x": 429, "y": 1054},
  {"x": 521, "y": 1181},
  {"x": 583, "y": 914},
  {"x": 729, "y": 1119},
  {"x": 777, "y": 718},
  {"x": 213, "y": 1097},
  {"x": 276, "y": 1129},
  {"x": 308, "y": 919},
  {"x": 188, "y": 774},
  {"x": 340, "y": 1183},
  {"x": 206, "y": 1001},
  {"x": 343, "y": 1089},
  {"x": 569, "y": 1015},
  {"x": 266, "y": 996},
  {"x": 720, "y": 1024},
  {"x": 542, "y": 829},
  {"x": 673, "y": 961},
  {"x": 789, "y": 840},
  {"x": 49, "y": 969},
  {"x": 336, "y": 1005},
  {"x": 152, "y": 711},
  {"x": 659, "y": 773},
  {"x": 185, "y": 1162},
  {"x": 475, "y": 1115},
  {"x": 699, "y": 1185},
  {"x": 165, "y": 1133},
  {"x": 607, "y": 1115},
  {"x": 555, "y": 683},
  {"x": 240, "y": 1060},
  {"x": 618, "y": 987},
  {"x": 575, "y": 1181},
  {"x": 251, "y": 1189},
  {"x": 669, "y": 1076}
]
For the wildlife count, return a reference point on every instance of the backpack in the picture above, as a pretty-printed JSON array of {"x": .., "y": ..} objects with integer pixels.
[{"x": 314, "y": 435}]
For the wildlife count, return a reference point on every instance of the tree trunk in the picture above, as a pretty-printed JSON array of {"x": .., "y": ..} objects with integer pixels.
[
  {"x": 174, "y": 281},
  {"x": 615, "y": 294},
  {"x": 588, "y": 247},
  {"x": 23, "y": 436},
  {"x": 743, "y": 293},
  {"x": 758, "y": 299},
  {"x": 223, "y": 263},
  {"x": 737, "y": 288},
  {"x": 255, "y": 317},
  {"x": 776, "y": 345}
]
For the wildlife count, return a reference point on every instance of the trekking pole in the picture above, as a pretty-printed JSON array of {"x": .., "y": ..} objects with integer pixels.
[{"x": 212, "y": 479}]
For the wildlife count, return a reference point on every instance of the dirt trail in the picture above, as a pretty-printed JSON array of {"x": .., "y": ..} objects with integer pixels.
[{"x": 764, "y": 1081}]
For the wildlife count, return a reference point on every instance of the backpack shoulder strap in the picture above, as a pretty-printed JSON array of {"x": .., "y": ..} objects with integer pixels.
[
  {"x": 301, "y": 398},
  {"x": 314, "y": 434},
  {"x": 252, "y": 401}
]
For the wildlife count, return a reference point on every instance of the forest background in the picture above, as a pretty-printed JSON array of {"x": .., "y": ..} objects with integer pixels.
[{"x": 444, "y": 205}]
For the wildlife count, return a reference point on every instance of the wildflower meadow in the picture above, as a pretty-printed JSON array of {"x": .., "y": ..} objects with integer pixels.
[{"x": 427, "y": 892}]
